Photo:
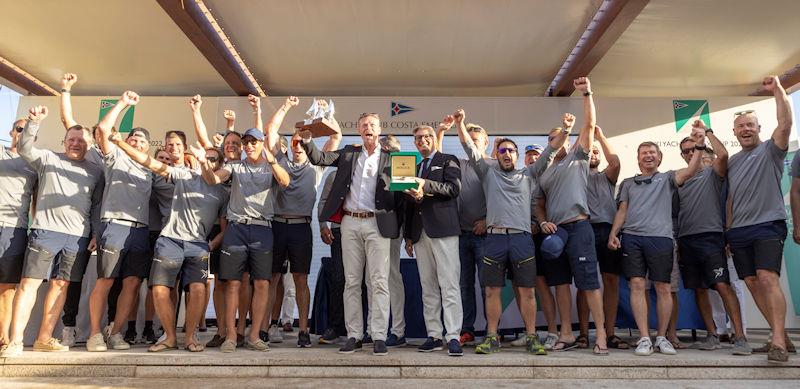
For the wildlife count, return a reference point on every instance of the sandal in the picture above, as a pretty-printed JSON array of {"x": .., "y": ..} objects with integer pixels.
[
  {"x": 194, "y": 347},
  {"x": 159, "y": 347},
  {"x": 564, "y": 346},
  {"x": 600, "y": 351},
  {"x": 582, "y": 341},
  {"x": 617, "y": 343},
  {"x": 676, "y": 343}
]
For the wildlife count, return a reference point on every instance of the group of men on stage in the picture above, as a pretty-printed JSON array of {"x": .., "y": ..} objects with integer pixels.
[{"x": 239, "y": 207}]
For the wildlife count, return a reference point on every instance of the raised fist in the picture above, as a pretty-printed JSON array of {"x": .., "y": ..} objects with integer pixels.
[
  {"x": 195, "y": 103},
  {"x": 699, "y": 124},
  {"x": 292, "y": 101},
  {"x": 198, "y": 151},
  {"x": 447, "y": 122},
  {"x": 37, "y": 114},
  {"x": 598, "y": 132},
  {"x": 459, "y": 116},
  {"x": 130, "y": 98},
  {"x": 229, "y": 114},
  {"x": 255, "y": 101},
  {"x": 582, "y": 84},
  {"x": 568, "y": 120},
  {"x": 771, "y": 83},
  {"x": 698, "y": 135},
  {"x": 217, "y": 140},
  {"x": 68, "y": 80},
  {"x": 115, "y": 137}
]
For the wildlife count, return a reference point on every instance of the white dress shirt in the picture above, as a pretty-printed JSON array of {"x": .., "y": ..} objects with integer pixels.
[{"x": 361, "y": 197}]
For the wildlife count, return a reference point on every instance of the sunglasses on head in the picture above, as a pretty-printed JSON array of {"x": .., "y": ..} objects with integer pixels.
[
  {"x": 509, "y": 150},
  {"x": 745, "y": 112},
  {"x": 646, "y": 181}
]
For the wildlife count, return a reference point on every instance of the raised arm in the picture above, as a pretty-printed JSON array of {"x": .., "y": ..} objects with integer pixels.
[
  {"x": 721, "y": 162},
  {"x": 280, "y": 174},
  {"x": 195, "y": 103},
  {"x": 210, "y": 176},
  {"x": 315, "y": 155},
  {"x": 139, "y": 157},
  {"x": 613, "y": 168},
  {"x": 25, "y": 147},
  {"x": 696, "y": 163},
  {"x": 255, "y": 104},
  {"x": 781, "y": 134},
  {"x": 67, "y": 81},
  {"x": 586, "y": 137},
  {"x": 230, "y": 119},
  {"x": 106, "y": 124},
  {"x": 474, "y": 155},
  {"x": 334, "y": 139},
  {"x": 444, "y": 125},
  {"x": 274, "y": 124}
]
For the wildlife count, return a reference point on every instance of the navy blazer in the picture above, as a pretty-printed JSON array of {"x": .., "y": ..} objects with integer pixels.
[{"x": 437, "y": 213}]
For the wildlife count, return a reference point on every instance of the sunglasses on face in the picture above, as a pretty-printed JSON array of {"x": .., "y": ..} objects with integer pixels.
[
  {"x": 250, "y": 141},
  {"x": 509, "y": 150},
  {"x": 212, "y": 159},
  {"x": 687, "y": 151},
  {"x": 18, "y": 129}
]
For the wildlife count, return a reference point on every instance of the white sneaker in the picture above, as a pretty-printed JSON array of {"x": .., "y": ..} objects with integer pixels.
[
  {"x": 117, "y": 342},
  {"x": 107, "y": 330},
  {"x": 520, "y": 341},
  {"x": 96, "y": 343},
  {"x": 644, "y": 346},
  {"x": 162, "y": 338},
  {"x": 664, "y": 346},
  {"x": 550, "y": 341},
  {"x": 11, "y": 350},
  {"x": 275, "y": 335},
  {"x": 68, "y": 335}
]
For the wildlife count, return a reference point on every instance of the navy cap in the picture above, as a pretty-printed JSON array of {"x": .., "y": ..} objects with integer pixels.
[
  {"x": 534, "y": 147},
  {"x": 255, "y": 133},
  {"x": 553, "y": 244}
]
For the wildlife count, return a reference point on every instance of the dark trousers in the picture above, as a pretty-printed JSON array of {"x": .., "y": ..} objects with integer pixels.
[{"x": 336, "y": 286}]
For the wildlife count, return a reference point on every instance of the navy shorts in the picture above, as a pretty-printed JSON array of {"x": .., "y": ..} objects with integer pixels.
[
  {"x": 175, "y": 257},
  {"x": 650, "y": 256},
  {"x": 66, "y": 254},
  {"x": 511, "y": 252},
  {"x": 123, "y": 251},
  {"x": 610, "y": 261},
  {"x": 757, "y": 247},
  {"x": 702, "y": 260},
  {"x": 578, "y": 261},
  {"x": 12, "y": 254},
  {"x": 293, "y": 244},
  {"x": 246, "y": 248}
]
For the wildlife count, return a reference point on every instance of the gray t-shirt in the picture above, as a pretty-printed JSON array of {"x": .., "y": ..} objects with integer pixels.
[
  {"x": 794, "y": 169},
  {"x": 17, "y": 180},
  {"x": 69, "y": 192},
  {"x": 196, "y": 206},
  {"x": 160, "y": 201},
  {"x": 649, "y": 201},
  {"x": 563, "y": 185},
  {"x": 600, "y": 198},
  {"x": 754, "y": 179},
  {"x": 127, "y": 190},
  {"x": 700, "y": 210},
  {"x": 534, "y": 191},
  {"x": 298, "y": 198},
  {"x": 471, "y": 201},
  {"x": 508, "y": 194},
  {"x": 251, "y": 191}
]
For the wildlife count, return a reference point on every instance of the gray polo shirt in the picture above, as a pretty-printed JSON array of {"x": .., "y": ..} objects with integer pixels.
[
  {"x": 563, "y": 185},
  {"x": 649, "y": 201},
  {"x": 508, "y": 194},
  {"x": 534, "y": 191},
  {"x": 69, "y": 192},
  {"x": 700, "y": 209},
  {"x": 127, "y": 190},
  {"x": 754, "y": 179},
  {"x": 252, "y": 187},
  {"x": 17, "y": 180},
  {"x": 196, "y": 206},
  {"x": 298, "y": 198},
  {"x": 471, "y": 201},
  {"x": 600, "y": 198}
]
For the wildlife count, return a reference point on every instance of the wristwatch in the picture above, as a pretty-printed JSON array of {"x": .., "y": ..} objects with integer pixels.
[
  {"x": 699, "y": 147},
  {"x": 589, "y": 93},
  {"x": 709, "y": 130}
]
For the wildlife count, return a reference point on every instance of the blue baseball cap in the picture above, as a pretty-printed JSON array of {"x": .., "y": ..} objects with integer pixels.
[
  {"x": 553, "y": 244},
  {"x": 255, "y": 133},
  {"x": 534, "y": 147}
]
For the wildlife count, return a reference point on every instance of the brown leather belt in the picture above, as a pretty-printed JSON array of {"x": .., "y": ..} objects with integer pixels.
[{"x": 360, "y": 215}]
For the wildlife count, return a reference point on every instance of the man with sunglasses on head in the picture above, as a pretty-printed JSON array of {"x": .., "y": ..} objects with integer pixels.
[
  {"x": 701, "y": 243},
  {"x": 644, "y": 216},
  {"x": 247, "y": 244},
  {"x": 294, "y": 206},
  {"x": 472, "y": 220},
  {"x": 562, "y": 204},
  {"x": 757, "y": 216},
  {"x": 508, "y": 245},
  {"x": 370, "y": 219}
]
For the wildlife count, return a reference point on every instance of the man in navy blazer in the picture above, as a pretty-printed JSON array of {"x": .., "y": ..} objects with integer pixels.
[{"x": 432, "y": 225}]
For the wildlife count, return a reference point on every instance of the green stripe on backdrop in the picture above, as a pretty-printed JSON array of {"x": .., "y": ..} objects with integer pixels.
[
  {"x": 791, "y": 251},
  {"x": 126, "y": 124}
]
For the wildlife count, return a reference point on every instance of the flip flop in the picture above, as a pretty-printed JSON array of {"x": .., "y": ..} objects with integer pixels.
[
  {"x": 617, "y": 343},
  {"x": 564, "y": 346},
  {"x": 194, "y": 347},
  {"x": 159, "y": 347},
  {"x": 677, "y": 344},
  {"x": 600, "y": 351},
  {"x": 582, "y": 341}
]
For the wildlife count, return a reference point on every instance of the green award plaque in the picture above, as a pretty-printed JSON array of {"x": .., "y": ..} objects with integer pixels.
[{"x": 403, "y": 167}]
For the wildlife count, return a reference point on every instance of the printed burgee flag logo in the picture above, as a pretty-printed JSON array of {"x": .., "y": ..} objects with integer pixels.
[
  {"x": 686, "y": 111},
  {"x": 126, "y": 124},
  {"x": 398, "y": 109}
]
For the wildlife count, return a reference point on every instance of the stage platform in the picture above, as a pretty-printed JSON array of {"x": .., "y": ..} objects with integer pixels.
[{"x": 285, "y": 360}]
